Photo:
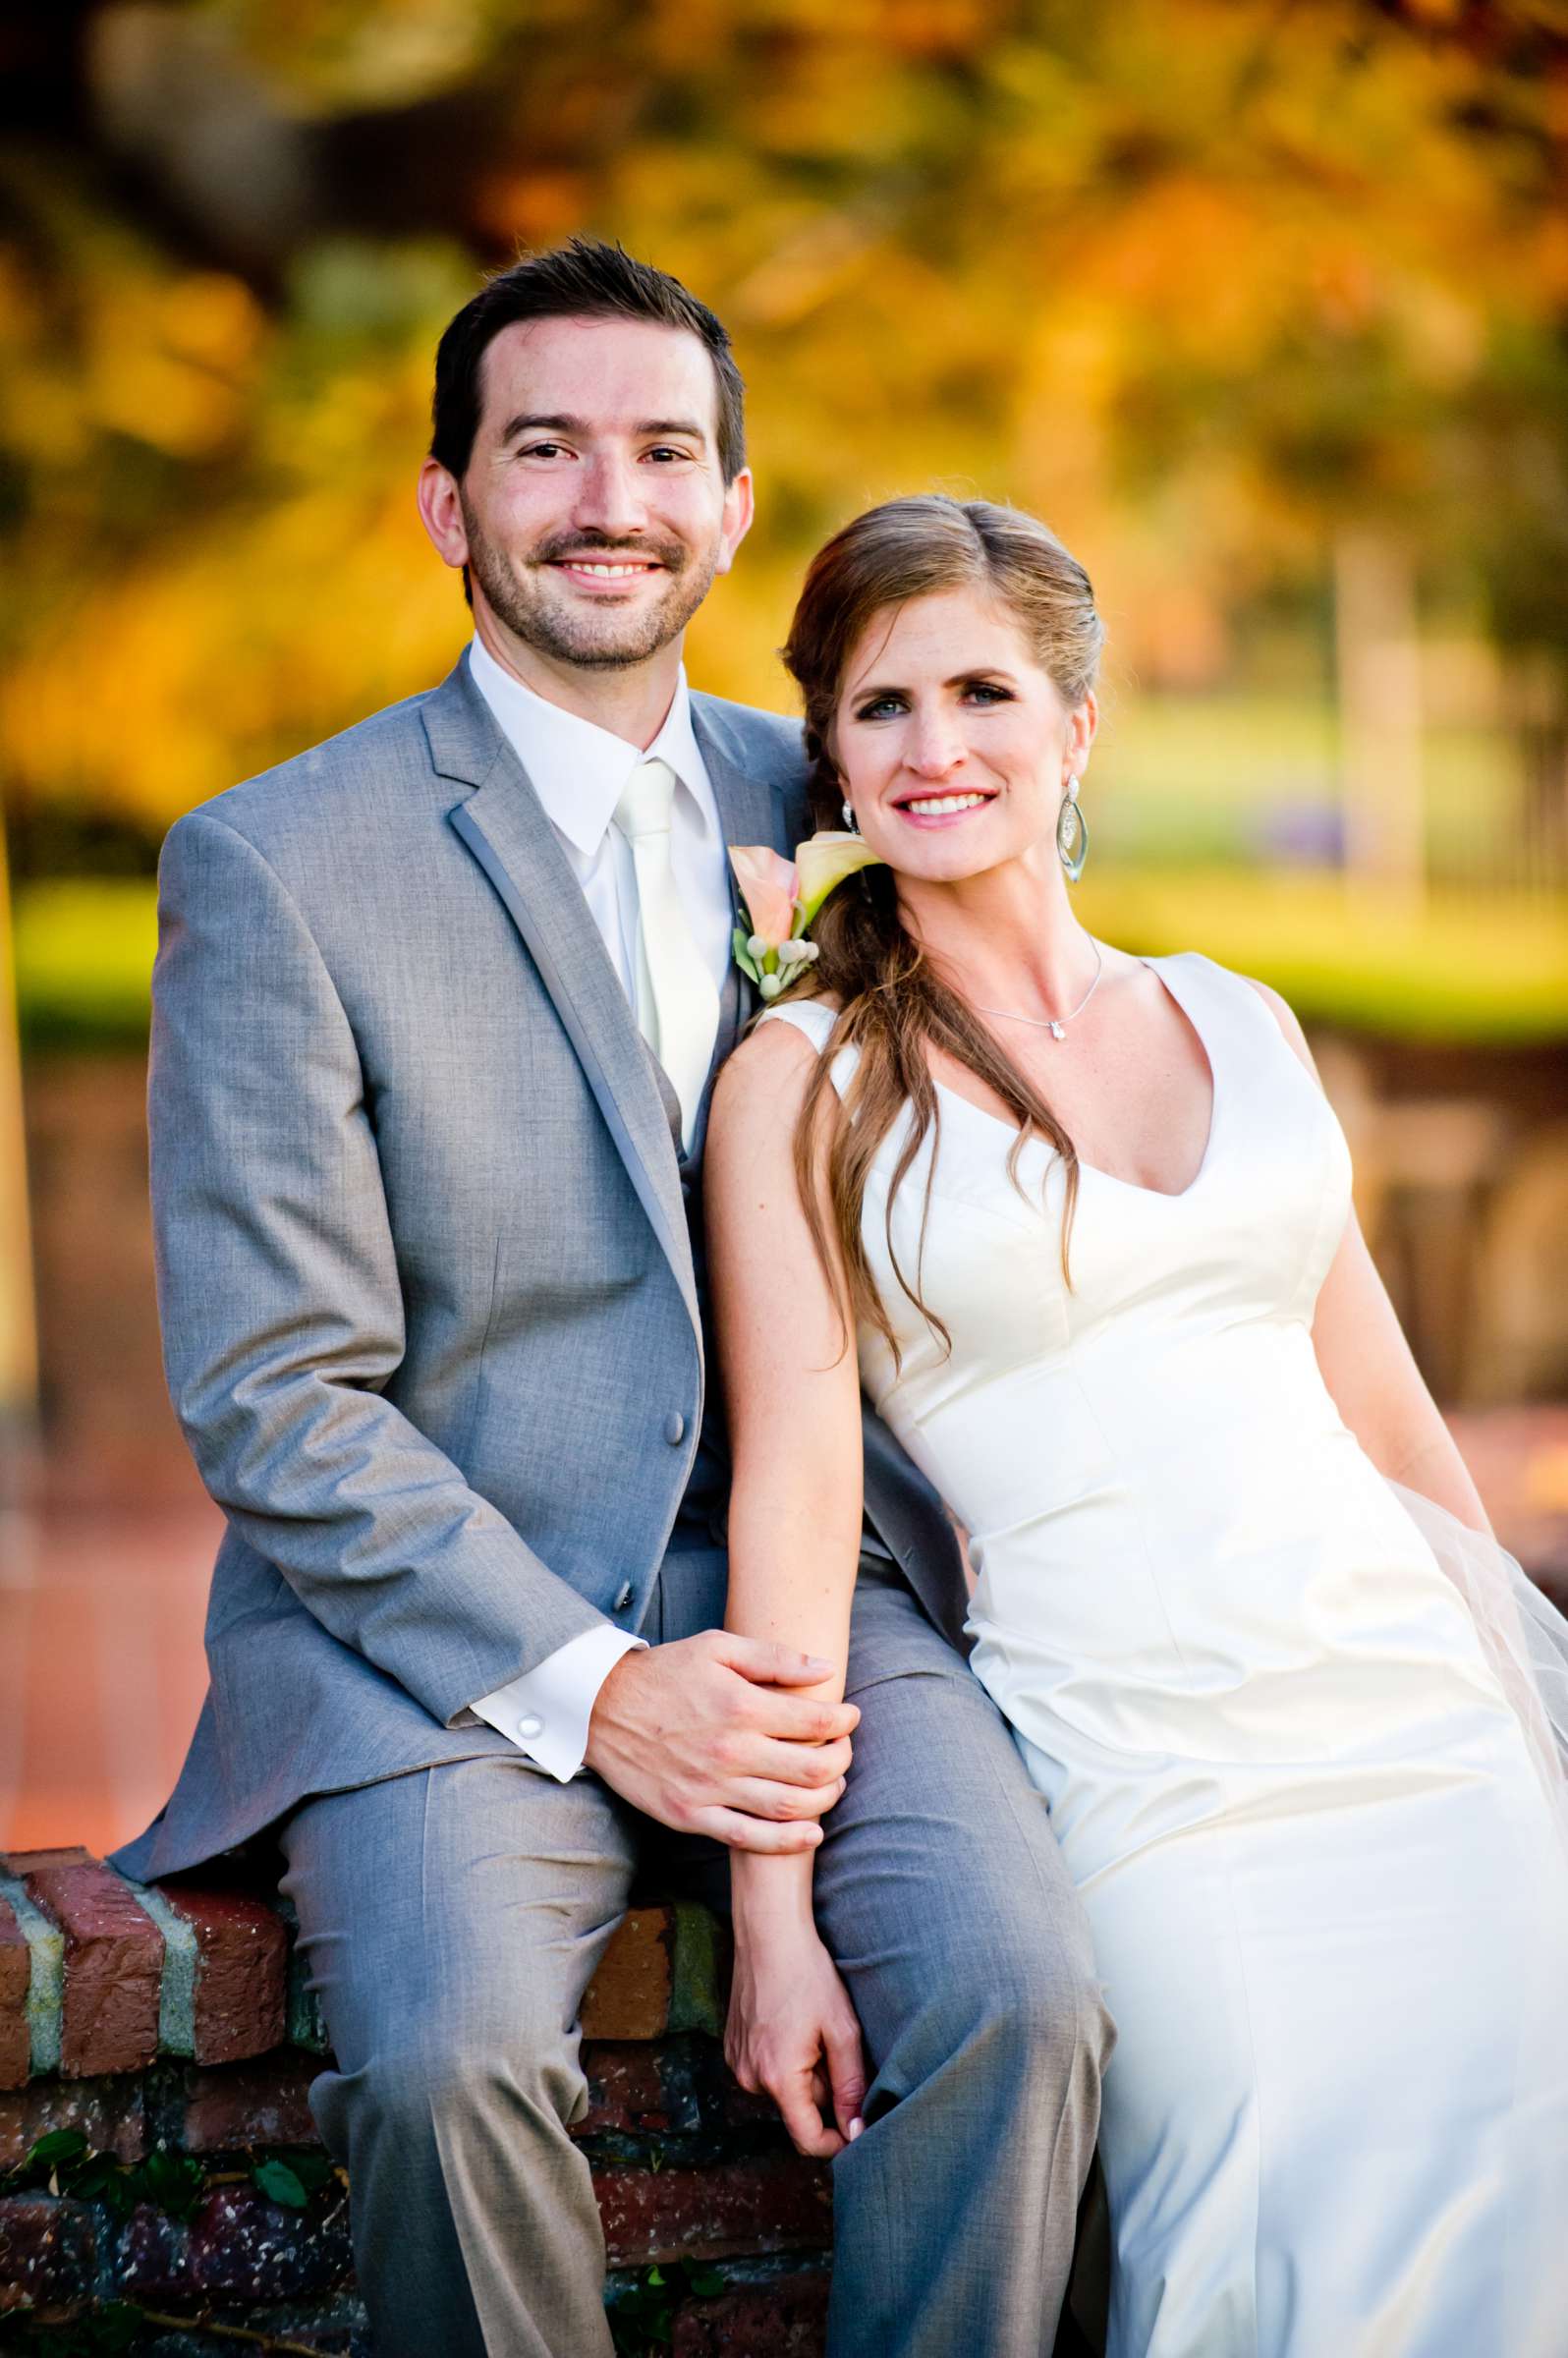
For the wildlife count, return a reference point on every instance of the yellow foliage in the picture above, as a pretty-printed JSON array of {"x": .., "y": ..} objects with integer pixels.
[{"x": 1194, "y": 278}]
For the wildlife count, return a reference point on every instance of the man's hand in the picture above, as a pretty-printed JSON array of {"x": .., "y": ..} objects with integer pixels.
[
  {"x": 703, "y": 1735},
  {"x": 792, "y": 2035}
]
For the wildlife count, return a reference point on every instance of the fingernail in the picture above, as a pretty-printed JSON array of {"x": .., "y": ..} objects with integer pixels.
[
  {"x": 815, "y": 1662},
  {"x": 856, "y": 2126}
]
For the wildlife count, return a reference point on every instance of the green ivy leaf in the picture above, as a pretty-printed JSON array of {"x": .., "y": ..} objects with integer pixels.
[
  {"x": 61, "y": 2145},
  {"x": 173, "y": 2181},
  {"x": 99, "y": 2179},
  {"x": 281, "y": 2183}
]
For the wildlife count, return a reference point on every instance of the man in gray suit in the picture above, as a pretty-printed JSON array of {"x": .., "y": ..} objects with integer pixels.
[{"x": 436, "y": 1012}]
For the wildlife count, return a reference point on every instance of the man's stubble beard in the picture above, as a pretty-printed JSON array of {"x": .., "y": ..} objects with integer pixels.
[{"x": 611, "y": 640}]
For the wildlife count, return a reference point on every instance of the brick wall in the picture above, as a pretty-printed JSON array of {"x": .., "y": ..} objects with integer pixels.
[{"x": 160, "y": 2173}]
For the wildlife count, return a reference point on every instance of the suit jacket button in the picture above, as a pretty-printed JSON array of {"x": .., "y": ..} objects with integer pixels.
[
  {"x": 624, "y": 1597},
  {"x": 675, "y": 1429}
]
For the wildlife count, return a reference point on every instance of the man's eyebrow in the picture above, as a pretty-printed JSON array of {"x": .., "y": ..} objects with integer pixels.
[{"x": 534, "y": 423}]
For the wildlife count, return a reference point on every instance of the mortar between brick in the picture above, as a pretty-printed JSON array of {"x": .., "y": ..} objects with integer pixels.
[
  {"x": 695, "y": 1996},
  {"x": 46, "y": 1975},
  {"x": 176, "y": 1989}
]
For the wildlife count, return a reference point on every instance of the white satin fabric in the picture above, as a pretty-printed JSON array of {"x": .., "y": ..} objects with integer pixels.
[{"x": 1324, "y": 1867}]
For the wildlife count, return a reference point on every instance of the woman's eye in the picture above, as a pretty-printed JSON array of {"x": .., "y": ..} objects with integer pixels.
[
  {"x": 989, "y": 693},
  {"x": 879, "y": 707}
]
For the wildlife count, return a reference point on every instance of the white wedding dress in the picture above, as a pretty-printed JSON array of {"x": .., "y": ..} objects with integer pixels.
[{"x": 1327, "y": 1888}]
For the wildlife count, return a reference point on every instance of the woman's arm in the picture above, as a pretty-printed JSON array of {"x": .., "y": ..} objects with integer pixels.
[
  {"x": 1368, "y": 1365},
  {"x": 792, "y": 1390}
]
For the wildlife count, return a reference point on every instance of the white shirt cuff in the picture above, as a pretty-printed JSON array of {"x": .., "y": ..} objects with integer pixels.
[{"x": 546, "y": 1712}]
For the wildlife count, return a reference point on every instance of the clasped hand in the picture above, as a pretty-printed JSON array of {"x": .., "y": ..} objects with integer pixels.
[
  {"x": 792, "y": 2035},
  {"x": 705, "y": 1735}
]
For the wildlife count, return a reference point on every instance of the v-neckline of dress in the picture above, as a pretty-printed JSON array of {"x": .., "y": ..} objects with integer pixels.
[{"x": 1092, "y": 1170}]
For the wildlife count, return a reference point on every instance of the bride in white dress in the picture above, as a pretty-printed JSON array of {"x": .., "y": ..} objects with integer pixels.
[{"x": 1089, "y": 1219}]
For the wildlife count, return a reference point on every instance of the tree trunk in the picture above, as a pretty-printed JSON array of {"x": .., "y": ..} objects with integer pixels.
[{"x": 1377, "y": 655}]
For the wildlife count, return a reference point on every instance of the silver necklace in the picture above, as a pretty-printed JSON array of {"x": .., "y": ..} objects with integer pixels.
[{"x": 1055, "y": 1025}]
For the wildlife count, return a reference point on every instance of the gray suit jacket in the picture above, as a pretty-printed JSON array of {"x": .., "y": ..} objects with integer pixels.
[{"x": 429, "y": 1314}]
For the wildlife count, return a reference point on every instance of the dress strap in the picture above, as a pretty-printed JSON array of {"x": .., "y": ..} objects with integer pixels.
[
  {"x": 1235, "y": 1024},
  {"x": 817, "y": 1022}
]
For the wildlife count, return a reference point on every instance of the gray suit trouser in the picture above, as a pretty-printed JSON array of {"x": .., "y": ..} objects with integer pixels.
[{"x": 452, "y": 1918}]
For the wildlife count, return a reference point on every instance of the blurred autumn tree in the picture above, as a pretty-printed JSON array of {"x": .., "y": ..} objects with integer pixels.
[{"x": 1221, "y": 286}]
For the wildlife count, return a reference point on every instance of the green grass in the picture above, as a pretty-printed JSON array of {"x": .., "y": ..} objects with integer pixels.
[
  {"x": 1479, "y": 967},
  {"x": 85, "y": 949},
  {"x": 1198, "y": 778}
]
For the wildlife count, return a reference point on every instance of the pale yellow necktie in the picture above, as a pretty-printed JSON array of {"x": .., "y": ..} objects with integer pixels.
[{"x": 677, "y": 998}]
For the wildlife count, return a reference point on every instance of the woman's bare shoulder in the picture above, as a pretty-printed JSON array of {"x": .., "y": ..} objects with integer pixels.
[{"x": 763, "y": 1083}]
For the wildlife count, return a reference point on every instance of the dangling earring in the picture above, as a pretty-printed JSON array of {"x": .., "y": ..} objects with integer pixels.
[
  {"x": 1071, "y": 835},
  {"x": 850, "y": 821}
]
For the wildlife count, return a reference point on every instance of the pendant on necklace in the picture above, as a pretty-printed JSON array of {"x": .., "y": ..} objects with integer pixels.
[{"x": 1056, "y": 1031}]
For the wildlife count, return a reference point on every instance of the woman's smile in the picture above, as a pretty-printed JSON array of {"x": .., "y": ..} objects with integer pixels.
[{"x": 946, "y": 808}]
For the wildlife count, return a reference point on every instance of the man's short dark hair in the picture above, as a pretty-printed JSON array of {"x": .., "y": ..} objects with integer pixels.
[{"x": 585, "y": 279}]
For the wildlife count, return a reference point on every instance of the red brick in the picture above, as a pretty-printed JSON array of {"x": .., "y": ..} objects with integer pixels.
[
  {"x": 113, "y": 1961},
  {"x": 627, "y": 2089},
  {"x": 239, "y": 2246},
  {"x": 245, "y": 2248},
  {"x": 110, "y": 2117},
  {"x": 775, "y": 2203},
  {"x": 16, "y": 1971},
  {"x": 262, "y": 2103},
  {"x": 242, "y": 1970},
  {"x": 629, "y": 1997},
  {"x": 149, "y": 2256},
  {"x": 786, "y": 2317},
  {"x": 743, "y": 2110},
  {"x": 45, "y": 2256}
]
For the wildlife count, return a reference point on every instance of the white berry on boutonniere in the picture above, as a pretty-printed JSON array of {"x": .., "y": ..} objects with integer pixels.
[{"x": 781, "y": 897}]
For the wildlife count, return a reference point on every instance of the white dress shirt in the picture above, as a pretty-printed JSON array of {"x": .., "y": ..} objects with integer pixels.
[{"x": 578, "y": 770}]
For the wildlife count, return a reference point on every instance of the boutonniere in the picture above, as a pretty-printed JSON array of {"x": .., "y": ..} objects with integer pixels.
[{"x": 781, "y": 898}]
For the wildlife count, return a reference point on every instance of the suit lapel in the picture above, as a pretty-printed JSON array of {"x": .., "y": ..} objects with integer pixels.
[
  {"x": 750, "y": 809},
  {"x": 749, "y": 812},
  {"x": 502, "y": 823}
]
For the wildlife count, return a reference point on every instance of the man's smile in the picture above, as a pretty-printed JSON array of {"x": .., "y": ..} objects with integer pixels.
[{"x": 601, "y": 573}]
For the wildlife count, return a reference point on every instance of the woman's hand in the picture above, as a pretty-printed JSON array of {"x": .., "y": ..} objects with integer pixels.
[{"x": 792, "y": 2035}]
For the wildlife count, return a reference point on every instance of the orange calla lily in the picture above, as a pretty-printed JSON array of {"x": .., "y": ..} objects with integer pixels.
[{"x": 770, "y": 883}]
